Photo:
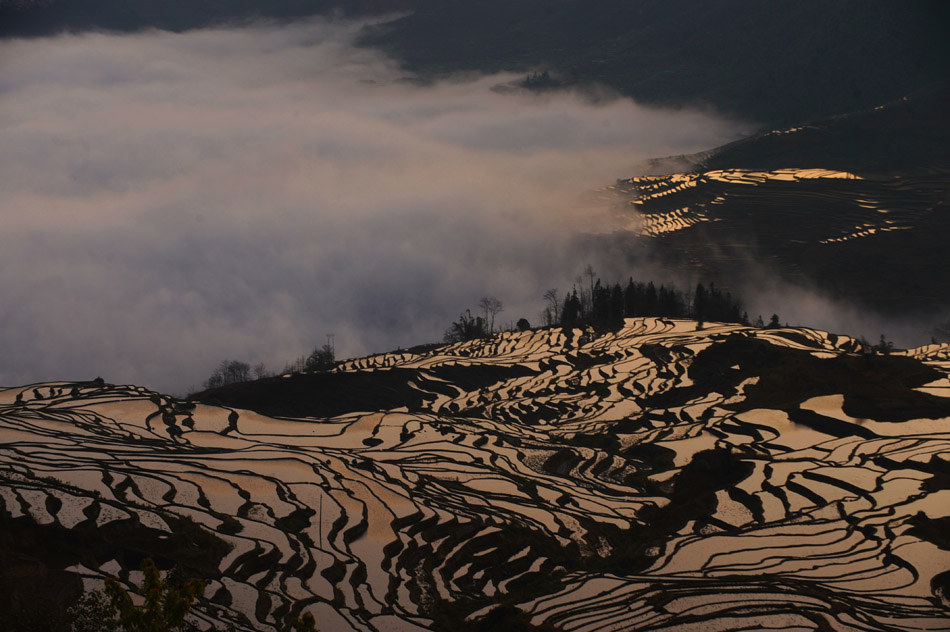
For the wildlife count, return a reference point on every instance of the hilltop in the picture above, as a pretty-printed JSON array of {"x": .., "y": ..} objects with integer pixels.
[{"x": 646, "y": 478}]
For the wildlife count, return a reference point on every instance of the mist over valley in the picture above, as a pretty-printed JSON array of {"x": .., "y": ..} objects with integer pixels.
[{"x": 409, "y": 315}]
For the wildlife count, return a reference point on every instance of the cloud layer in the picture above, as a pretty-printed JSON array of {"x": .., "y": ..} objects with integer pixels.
[{"x": 170, "y": 200}]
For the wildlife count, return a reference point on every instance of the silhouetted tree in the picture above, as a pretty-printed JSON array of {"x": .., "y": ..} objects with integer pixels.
[
  {"x": 616, "y": 306},
  {"x": 699, "y": 305},
  {"x": 607, "y": 305},
  {"x": 490, "y": 306},
  {"x": 600, "y": 306},
  {"x": 650, "y": 302},
  {"x": 467, "y": 327},
  {"x": 631, "y": 294},
  {"x": 884, "y": 345},
  {"x": 321, "y": 358},
  {"x": 774, "y": 322},
  {"x": 670, "y": 302},
  {"x": 539, "y": 81},
  {"x": 553, "y": 308},
  {"x": 523, "y": 324},
  {"x": 587, "y": 306},
  {"x": 571, "y": 311},
  {"x": 229, "y": 372}
]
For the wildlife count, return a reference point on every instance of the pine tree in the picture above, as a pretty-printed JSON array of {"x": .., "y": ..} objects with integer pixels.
[
  {"x": 699, "y": 305},
  {"x": 571, "y": 314}
]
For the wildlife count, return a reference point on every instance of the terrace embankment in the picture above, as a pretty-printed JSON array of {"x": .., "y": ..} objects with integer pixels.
[{"x": 643, "y": 479}]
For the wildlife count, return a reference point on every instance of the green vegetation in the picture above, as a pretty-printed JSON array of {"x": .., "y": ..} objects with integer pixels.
[
  {"x": 165, "y": 606},
  {"x": 306, "y": 623},
  {"x": 36, "y": 592}
]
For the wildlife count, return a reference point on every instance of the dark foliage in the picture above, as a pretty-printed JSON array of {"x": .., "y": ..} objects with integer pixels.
[
  {"x": 321, "y": 359},
  {"x": 608, "y": 305},
  {"x": 467, "y": 327},
  {"x": 229, "y": 372},
  {"x": 35, "y": 589}
]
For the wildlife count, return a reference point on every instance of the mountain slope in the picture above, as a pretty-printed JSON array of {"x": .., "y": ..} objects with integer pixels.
[
  {"x": 776, "y": 63},
  {"x": 26, "y": 18},
  {"x": 856, "y": 205},
  {"x": 645, "y": 479}
]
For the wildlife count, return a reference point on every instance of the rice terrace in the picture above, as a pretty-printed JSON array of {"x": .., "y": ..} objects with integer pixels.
[{"x": 495, "y": 315}]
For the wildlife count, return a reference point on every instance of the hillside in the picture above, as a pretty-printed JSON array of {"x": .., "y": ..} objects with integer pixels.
[
  {"x": 653, "y": 478},
  {"x": 775, "y": 63},
  {"x": 26, "y": 18},
  {"x": 855, "y": 205}
]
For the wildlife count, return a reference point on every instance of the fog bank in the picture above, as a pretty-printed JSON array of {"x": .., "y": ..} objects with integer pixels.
[{"x": 171, "y": 200}]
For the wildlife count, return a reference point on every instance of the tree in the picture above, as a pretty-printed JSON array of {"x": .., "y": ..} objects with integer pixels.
[
  {"x": 467, "y": 327},
  {"x": 229, "y": 372},
  {"x": 616, "y": 306},
  {"x": 571, "y": 310},
  {"x": 632, "y": 295},
  {"x": 93, "y": 612},
  {"x": 320, "y": 359},
  {"x": 523, "y": 324},
  {"x": 165, "y": 606},
  {"x": 306, "y": 623},
  {"x": 600, "y": 306},
  {"x": 490, "y": 306},
  {"x": 774, "y": 322},
  {"x": 589, "y": 307},
  {"x": 554, "y": 307},
  {"x": 884, "y": 346},
  {"x": 650, "y": 301},
  {"x": 605, "y": 306},
  {"x": 699, "y": 305}
]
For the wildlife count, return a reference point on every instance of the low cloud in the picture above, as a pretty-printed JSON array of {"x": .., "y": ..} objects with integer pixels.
[
  {"x": 802, "y": 306},
  {"x": 170, "y": 200}
]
